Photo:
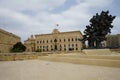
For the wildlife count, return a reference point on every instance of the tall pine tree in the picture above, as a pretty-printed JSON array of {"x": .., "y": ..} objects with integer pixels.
[{"x": 100, "y": 26}]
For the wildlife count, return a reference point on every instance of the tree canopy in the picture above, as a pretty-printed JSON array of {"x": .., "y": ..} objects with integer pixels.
[
  {"x": 18, "y": 47},
  {"x": 100, "y": 26}
]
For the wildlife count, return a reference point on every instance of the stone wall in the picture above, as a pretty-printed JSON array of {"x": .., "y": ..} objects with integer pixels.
[
  {"x": 7, "y": 40},
  {"x": 119, "y": 40},
  {"x": 96, "y": 51},
  {"x": 17, "y": 56}
]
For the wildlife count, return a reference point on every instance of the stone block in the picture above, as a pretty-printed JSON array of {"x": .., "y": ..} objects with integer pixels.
[{"x": 96, "y": 51}]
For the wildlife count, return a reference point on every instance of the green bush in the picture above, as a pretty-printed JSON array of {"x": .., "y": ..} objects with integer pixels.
[{"x": 18, "y": 47}]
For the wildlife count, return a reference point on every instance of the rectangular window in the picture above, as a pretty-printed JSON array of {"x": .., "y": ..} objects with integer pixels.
[
  {"x": 60, "y": 49},
  {"x": 43, "y": 49},
  {"x": 76, "y": 45},
  {"x": 47, "y": 47},
  {"x": 72, "y": 45},
  {"x": 75, "y": 39},
  {"x": 37, "y": 47},
  {"x": 37, "y": 41},
  {"x": 68, "y": 39},
  {"x": 76, "y": 48},
  {"x": 72, "y": 39},
  {"x": 43, "y": 41},
  {"x": 60, "y": 40},
  {"x": 69, "y": 45},
  {"x": 60, "y": 45},
  {"x": 64, "y": 49},
  {"x": 64, "y": 40}
]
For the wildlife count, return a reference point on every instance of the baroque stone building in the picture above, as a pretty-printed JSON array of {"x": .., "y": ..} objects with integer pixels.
[
  {"x": 7, "y": 40},
  {"x": 30, "y": 44},
  {"x": 113, "y": 41},
  {"x": 55, "y": 41}
]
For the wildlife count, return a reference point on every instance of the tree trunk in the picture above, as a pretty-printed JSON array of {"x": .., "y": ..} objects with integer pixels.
[{"x": 90, "y": 43}]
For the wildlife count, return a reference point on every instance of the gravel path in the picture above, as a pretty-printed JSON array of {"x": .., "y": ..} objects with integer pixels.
[{"x": 45, "y": 70}]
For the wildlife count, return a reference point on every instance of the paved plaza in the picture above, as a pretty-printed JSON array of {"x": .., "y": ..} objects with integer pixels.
[{"x": 45, "y": 70}]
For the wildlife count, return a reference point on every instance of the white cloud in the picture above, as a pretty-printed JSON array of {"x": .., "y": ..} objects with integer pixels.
[
  {"x": 98, "y": 3},
  {"x": 34, "y": 5},
  {"x": 74, "y": 18},
  {"x": 94, "y": 3},
  {"x": 116, "y": 24},
  {"x": 20, "y": 18}
]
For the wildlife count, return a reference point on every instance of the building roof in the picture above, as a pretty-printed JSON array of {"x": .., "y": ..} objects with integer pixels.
[
  {"x": 55, "y": 31},
  {"x": 8, "y": 33}
]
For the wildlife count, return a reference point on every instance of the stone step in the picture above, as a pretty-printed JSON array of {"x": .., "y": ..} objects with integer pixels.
[
  {"x": 111, "y": 57},
  {"x": 97, "y": 62}
]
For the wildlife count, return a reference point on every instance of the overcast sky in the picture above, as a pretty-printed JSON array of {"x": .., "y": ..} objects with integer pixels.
[{"x": 26, "y": 17}]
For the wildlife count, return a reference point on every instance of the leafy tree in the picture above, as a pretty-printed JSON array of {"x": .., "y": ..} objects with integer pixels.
[
  {"x": 100, "y": 26},
  {"x": 18, "y": 47}
]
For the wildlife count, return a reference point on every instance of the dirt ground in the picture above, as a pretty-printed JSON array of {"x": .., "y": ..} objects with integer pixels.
[{"x": 45, "y": 70}]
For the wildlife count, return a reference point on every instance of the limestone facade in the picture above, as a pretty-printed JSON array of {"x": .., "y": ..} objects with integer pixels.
[
  {"x": 55, "y": 41},
  {"x": 7, "y": 40},
  {"x": 30, "y": 44},
  {"x": 113, "y": 41}
]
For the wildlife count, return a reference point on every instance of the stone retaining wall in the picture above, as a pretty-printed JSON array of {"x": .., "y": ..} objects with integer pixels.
[
  {"x": 97, "y": 51},
  {"x": 13, "y": 57},
  {"x": 86, "y": 61}
]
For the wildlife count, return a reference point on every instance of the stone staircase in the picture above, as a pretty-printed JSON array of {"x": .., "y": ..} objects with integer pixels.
[{"x": 98, "y": 60}]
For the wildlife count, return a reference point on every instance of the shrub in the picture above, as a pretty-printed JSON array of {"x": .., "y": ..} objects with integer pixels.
[{"x": 18, "y": 47}]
